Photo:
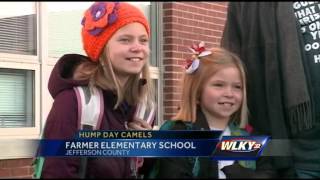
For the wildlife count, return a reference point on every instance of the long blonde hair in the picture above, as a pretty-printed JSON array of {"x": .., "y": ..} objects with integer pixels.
[
  {"x": 193, "y": 85},
  {"x": 101, "y": 74}
]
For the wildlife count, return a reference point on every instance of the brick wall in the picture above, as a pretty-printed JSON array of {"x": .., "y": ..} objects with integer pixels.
[
  {"x": 16, "y": 168},
  {"x": 184, "y": 24}
]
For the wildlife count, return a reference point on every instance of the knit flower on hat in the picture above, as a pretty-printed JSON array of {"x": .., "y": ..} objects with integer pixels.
[
  {"x": 197, "y": 51},
  {"x": 99, "y": 16}
]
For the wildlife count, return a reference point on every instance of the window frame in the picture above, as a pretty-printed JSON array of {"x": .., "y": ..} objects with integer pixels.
[
  {"x": 25, "y": 132},
  {"x": 26, "y": 62},
  {"x": 157, "y": 53}
]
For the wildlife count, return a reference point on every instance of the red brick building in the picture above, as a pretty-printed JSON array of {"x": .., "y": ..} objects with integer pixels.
[{"x": 184, "y": 24}]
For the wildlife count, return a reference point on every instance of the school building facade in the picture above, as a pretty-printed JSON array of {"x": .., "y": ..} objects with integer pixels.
[{"x": 33, "y": 35}]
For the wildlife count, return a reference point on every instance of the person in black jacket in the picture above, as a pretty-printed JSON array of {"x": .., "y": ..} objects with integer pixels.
[{"x": 278, "y": 43}]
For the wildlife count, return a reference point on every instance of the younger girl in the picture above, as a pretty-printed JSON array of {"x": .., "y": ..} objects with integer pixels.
[{"x": 213, "y": 98}]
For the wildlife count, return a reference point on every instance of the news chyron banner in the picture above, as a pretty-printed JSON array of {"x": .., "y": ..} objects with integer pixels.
[{"x": 162, "y": 143}]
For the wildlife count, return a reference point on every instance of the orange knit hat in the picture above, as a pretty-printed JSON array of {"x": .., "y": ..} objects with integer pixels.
[{"x": 102, "y": 20}]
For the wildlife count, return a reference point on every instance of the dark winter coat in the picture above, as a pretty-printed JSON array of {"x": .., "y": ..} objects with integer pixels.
[
  {"x": 205, "y": 167},
  {"x": 62, "y": 124}
]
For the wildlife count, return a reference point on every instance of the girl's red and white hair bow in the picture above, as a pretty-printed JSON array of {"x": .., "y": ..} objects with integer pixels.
[{"x": 197, "y": 52}]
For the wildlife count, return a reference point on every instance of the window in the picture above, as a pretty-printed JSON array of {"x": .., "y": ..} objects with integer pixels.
[
  {"x": 64, "y": 37},
  {"x": 16, "y": 98},
  {"x": 19, "y": 70},
  {"x": 18, "y": 28}
]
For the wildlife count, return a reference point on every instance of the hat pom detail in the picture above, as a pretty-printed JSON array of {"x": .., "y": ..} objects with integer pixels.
[{"x": 99, "y": 16}]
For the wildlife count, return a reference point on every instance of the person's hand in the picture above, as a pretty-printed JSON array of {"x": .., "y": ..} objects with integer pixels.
[{"x": 139, "y": 124}]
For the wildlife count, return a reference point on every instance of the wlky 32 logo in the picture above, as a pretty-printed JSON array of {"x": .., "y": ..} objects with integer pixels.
[{"x": 240, "y": 147}]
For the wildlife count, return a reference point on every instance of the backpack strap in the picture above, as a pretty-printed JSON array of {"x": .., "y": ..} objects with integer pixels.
[
  {"x": 236, "y": 131},
  {"x": 37, "y": 165},
  {"x": 90, "y": 107},
  {"x": 90, "y": 113}
]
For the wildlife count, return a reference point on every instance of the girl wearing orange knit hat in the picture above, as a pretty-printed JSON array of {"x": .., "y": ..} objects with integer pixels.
[{"x": 115, "y": 37}]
